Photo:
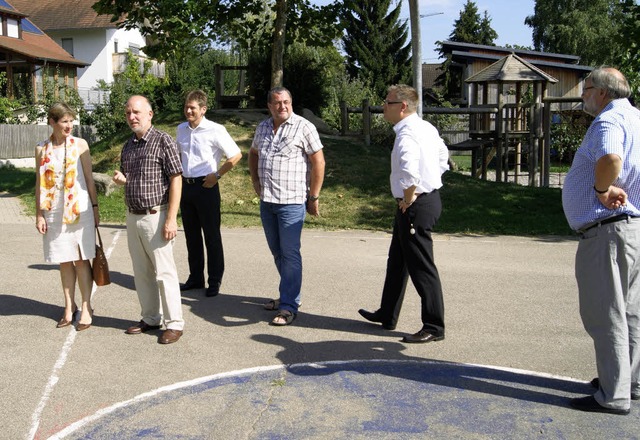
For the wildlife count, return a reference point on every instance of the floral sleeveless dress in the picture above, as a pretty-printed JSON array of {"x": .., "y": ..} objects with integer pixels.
[{"x": 68, "y": 242}]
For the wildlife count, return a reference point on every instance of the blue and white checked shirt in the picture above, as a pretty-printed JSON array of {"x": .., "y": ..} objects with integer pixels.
[
  {"x": 616, "y": 130},
  {"x": 283, "y": 162}
]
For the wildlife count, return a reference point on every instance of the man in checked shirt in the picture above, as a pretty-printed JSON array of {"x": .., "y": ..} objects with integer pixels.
[
  {"x": 287, "y": 170},
  {"x": 151, "y": 172},
  {"x": 601, "y": 200}
]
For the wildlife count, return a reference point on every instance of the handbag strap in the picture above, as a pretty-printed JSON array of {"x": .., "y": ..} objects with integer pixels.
[{"x": 99, "y": 238}]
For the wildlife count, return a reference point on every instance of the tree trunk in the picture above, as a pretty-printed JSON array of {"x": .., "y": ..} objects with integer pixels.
[{"x": 277, "y": 50}]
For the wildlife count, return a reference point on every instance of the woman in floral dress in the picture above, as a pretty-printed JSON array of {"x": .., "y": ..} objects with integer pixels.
[{"x": 67, "y": 211}]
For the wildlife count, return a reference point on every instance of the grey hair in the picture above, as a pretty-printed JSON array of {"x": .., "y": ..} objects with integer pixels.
[
  {"x": 611, "y": 81},
  {"x": 407, "y": 94}
]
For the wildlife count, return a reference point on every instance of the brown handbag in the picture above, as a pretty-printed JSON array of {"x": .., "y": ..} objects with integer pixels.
[{"x": 100, "y": 264}]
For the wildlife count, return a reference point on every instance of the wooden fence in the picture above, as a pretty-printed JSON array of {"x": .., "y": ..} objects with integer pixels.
[{"x": 19, "y": 141}]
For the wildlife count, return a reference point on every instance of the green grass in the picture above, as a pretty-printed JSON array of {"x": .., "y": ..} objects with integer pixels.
[{"x": 355, "y": 194}]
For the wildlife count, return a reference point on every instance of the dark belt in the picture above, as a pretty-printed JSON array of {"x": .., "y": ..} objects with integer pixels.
[
  {"x": 419, "y": 195},
  {"x": 606, "y": 221},
  {"x": 153, "y": 210},
  {"x": 193, "y": 180}
]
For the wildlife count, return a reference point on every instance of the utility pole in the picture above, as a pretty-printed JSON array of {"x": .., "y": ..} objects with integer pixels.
[
  {"x": 416, "y": 48},
  {"x": 416, "y": 51}
]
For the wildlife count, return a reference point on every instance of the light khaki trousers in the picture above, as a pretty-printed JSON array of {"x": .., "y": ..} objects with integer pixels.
[{"x": 154, "y": 270}]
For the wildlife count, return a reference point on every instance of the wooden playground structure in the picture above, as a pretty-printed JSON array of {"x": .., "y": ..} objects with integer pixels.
[{"x": 508, "y": 120}]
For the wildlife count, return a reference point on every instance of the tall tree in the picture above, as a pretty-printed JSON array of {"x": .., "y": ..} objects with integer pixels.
[
  {"x": 376, "y": 44},
  {"x": 172, "y": 25},
  {"x": 628, "y": 59},
  {"x": 586, "y": 28},
  {"x": 471, "y": 28}
]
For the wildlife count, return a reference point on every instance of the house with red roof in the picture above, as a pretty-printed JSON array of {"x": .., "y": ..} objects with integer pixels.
[
  {"x": 75, "y": 26},
  {"x": 29, "y": 59}
]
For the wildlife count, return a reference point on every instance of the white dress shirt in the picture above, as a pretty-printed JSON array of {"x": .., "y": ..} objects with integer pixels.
[
  {"x": 202, "y": 148},
  {"x": 419, "y": 157}
]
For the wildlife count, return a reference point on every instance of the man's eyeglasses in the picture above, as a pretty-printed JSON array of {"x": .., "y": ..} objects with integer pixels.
[{"x": 386, "y": 101}]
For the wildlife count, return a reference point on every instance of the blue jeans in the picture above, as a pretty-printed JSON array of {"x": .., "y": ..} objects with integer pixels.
[{"x": 282, "y": 226}]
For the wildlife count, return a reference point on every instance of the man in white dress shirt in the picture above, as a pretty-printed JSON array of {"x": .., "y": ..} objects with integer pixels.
[
  {"x": 418, "y": 159},
  {"x": 202, "y": 144}
]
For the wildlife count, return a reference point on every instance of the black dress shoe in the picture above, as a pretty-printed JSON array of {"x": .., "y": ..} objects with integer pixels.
[
  {"x": 595, "y": 382},
  {"x": 191, "y": 285},
  {"x": 375, "y": 317},
  {"x": 590, "y": 404},
  {"x": 422, "y": 336},
  {"x": 213, "y": 289}
]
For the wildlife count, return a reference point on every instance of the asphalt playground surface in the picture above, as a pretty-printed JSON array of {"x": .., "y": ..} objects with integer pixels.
[{"x": 515, "y": 351}]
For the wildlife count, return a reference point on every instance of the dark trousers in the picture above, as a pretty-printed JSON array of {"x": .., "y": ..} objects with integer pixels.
[
  {"x": 411, "y": 255},
  {"x": 200, "y": 208}
]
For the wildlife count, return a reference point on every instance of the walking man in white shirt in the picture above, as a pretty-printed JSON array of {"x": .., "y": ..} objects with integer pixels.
[
  {"x": 418, "y": 159},
  {"x": 202, "y": 144}
]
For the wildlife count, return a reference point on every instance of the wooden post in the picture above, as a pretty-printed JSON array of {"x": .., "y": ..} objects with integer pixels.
[
  {"x": 366, "y": 121},
  {"x": 219, "y": 85},
  {"x": 543, "y": 131},
  {"x": 344, "y": 118},
  {"x": 499, "y": 132}
]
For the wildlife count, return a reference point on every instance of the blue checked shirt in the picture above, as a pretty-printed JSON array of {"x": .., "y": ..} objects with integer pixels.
[
  {"x": 283, "y": 159},
  {"x": 616, "y": 130},
  {"x": 148, "y": 163}
]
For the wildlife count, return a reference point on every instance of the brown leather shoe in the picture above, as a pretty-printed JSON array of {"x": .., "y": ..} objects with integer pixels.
[
  {"x": 170, "y": 336},
  {"x": 421, "y": 337},
  {"x": 141, "y": 327}
]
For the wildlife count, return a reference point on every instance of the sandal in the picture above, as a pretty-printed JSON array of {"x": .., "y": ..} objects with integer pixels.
[
  {"x": 272, "y": 304},
  {"x": 283, "y": 315}
]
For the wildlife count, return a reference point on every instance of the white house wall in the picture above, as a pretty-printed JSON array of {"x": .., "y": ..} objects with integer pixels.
[{"x": 96, "y": 47}]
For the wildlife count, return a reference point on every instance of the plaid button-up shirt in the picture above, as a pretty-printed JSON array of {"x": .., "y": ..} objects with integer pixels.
[
  {"x": 283, "y": 162},
  {"x": 148, "y": 163}
]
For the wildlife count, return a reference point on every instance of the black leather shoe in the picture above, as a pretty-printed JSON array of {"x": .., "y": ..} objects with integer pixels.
[
  {"x": 190, "y": 284},
  {"x": 375, "y": 317},
  {"x": 595, "y": 382},
  {"x": 422, "y": 336},
  {"x": 213, "y": 289},
  {"x": 590, "y": 404}
]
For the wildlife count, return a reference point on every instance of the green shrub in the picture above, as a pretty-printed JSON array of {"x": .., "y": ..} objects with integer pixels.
[
  {"x": 567, "y": 135},
  {"x": 108, "y": 118}
]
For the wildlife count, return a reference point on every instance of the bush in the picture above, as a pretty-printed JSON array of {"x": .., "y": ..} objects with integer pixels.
[
  {"x": 108, "y": 118},
  {"x": 308, "y": 74},
  {"x": 567, "y": 134},
  {"x": 195, "y": 69}
]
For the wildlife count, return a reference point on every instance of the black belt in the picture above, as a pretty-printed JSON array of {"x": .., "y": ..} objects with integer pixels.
[
  {"x": 417, "y": 197},
  {"x": 606, "y": 221},
  {"x": 193, "y": 180}
]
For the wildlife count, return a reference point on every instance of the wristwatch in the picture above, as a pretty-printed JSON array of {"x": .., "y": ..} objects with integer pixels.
[
  {"x": 313, "y": 198},
  {"x": 218, "y": 176}
]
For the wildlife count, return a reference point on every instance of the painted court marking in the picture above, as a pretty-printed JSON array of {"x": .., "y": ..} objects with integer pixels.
[
  {"x": 62, "y": 359},
  {"x": 70, "y": 429}
]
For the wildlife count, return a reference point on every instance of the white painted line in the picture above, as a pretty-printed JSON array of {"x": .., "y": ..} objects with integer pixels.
[
  {"x": 62, "y": 359},
  {"x": 70, "y": 429}
]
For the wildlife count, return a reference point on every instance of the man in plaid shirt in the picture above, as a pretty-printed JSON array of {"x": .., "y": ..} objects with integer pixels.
[
  {"x": 151, "y": 172},
  {"x": 287, "y": 170}
]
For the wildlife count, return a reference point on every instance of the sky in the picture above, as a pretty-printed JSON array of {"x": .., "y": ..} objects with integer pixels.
[{"x": 507, "y": 19}]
